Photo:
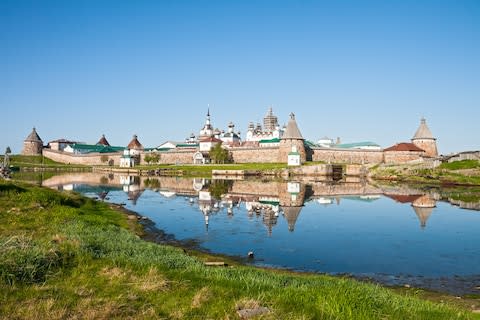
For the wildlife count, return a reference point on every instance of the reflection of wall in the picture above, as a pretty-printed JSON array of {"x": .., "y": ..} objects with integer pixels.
[
  {"x": 82, "y": 178},
  {"x": 259, "y": 188}
]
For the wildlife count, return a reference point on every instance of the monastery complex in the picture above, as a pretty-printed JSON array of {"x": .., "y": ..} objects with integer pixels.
[{"x": 270, "y": 143}]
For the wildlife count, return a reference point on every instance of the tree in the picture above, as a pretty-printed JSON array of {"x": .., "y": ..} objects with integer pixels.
[
  {"x": 147, "y": 158},
  {"x": 104, "y": 158},
  {"x": 153, "y": 157},
  {"x": 219, "y": 154}
]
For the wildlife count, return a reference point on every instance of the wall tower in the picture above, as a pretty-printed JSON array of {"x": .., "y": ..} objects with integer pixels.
[
  {"x": 424, "y": 139},
  {"x": 33, "y": 144},
  {"x": 292, "y": 140}
]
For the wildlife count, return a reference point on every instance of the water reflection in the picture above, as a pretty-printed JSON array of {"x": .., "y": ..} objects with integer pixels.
[
  {"x": 266, "y": 199},
  {"x": 395, "y": 233}
]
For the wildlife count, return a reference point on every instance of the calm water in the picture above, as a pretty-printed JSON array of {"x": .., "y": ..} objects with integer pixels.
[{"x": 394, "y": 235}]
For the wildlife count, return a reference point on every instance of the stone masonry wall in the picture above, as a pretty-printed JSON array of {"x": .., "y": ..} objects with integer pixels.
[
  {"x": 286, "y": 147},
  {"x": 32, "y": 148},
  {"x": 83, "y": 159},
  {"x": 402, "y": 156},
  {"x": 347, "y": 156},
  {"x": 429, "y": 145},
  {"x": 249, "y": 155},
  {"x": 173, "y": 157}
]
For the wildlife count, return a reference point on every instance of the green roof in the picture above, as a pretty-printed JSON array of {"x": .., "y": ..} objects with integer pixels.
[
  {"x": 274, "y": 140},
  {"x": 273, "y": 203},
  {"x": 89, "y": 148},
  {"x": 356, "y": 145},
  {"x": 309, "y": 143},
  {"x": 187, "y": 145}
]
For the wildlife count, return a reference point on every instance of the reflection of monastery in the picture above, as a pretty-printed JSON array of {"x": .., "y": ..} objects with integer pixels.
[
  {"x": 269, "y": 201},
  {"x": 270, "y": 143}
]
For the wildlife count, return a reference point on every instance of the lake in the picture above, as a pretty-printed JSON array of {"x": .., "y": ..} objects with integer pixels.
[{"x": 396, "y": 235}]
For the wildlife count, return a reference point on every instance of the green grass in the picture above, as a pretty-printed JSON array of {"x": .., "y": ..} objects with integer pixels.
[
  {"x": 38, "y": 162},
  {"x": 445, "y": 174},
  {"x": 464, "y": 164},
  {"x": 65, "y": 256}
]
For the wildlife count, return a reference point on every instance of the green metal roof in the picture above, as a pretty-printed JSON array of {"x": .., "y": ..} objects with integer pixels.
[
  {"x": 187, "y": 145},
  {"x": 273, "y": 203},
  {"x": 356, "y": 145},
  {"x": 309, "y": 143},
  {"x": 274, "y": 140},
  {"x": 88, "y": 148}
]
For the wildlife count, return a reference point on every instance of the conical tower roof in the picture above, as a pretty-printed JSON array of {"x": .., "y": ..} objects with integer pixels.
[
  {"x": 423, "y": 132},
  {"x": 103, "y": 141},
  {"x": 33, "y": 136},
  {"x": 135, "y": 144},
  {"x": 292, "y": 131},
  {"x": 291, "y": 214}
]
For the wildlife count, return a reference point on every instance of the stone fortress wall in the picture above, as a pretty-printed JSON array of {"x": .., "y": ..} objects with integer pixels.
[
  {"x": 90, "y": 159},
  {"x": 247, "y": 155},
  {"x": 291, "y": 144}
]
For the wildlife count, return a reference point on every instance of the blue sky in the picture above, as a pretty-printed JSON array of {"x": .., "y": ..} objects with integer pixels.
[{"x": 359, "y": 70}]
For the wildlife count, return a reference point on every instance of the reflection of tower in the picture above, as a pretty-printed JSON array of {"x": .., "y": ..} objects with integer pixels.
[
  {"x": 292, "y": 196},
  {"x": 102, "y": 195},
  {"x": 269, "y": 219},
  {"x": 423, "y": 207},
  {"x": 198, "y": 184},
  {"x": 131, "y": 185},
  {"x": 205, "y": 204},
  {"x": 424, "y": 139}
]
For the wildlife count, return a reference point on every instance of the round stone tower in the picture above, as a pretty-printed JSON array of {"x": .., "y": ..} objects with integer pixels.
[
  {"x": 292, "y": 142},
  {"x": 32, "y": 145},
  {"x": 424, "y": 139}
]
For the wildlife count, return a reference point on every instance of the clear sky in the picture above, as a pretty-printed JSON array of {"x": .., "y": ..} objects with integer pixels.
[{"x": 359, "y": 70}]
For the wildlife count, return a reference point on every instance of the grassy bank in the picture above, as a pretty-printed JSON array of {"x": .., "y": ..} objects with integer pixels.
[
  {"x": 40, "y": 162},
  {"x": 65, "y": 256},
  {"x": 465, "y": 172}
]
